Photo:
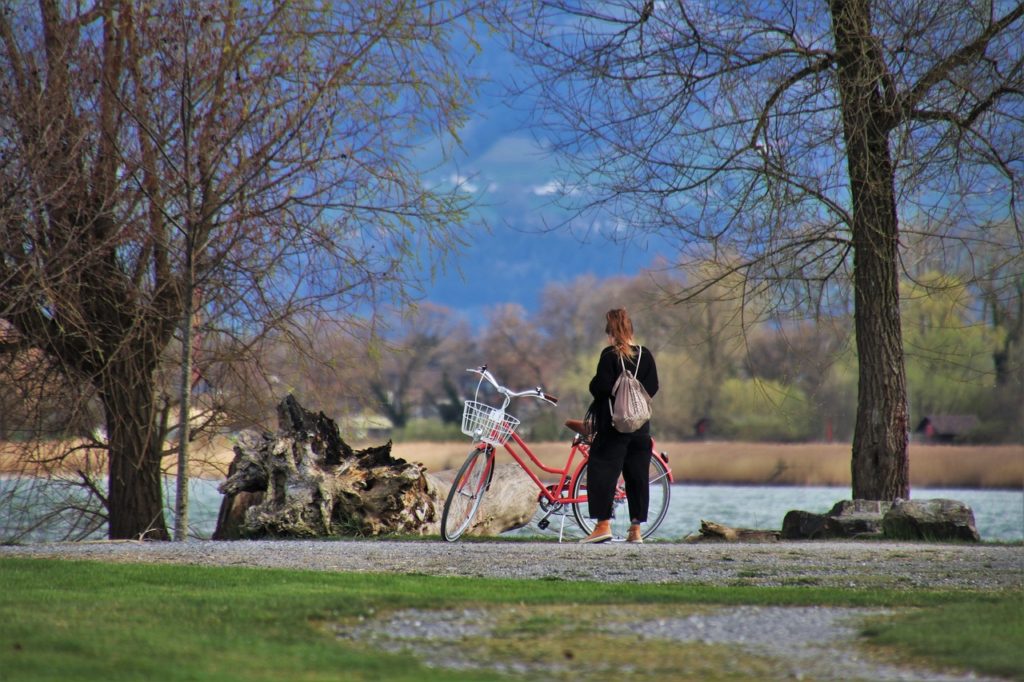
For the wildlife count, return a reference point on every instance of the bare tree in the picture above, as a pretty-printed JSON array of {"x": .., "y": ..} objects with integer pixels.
[
  {"x": 793, "y": 138},
  {"x": 999, "y": 276},
  {"x": 420, "y": 372},
  {"x": 253, "y": 157},
  {"x": 806, "y": 355},
  {"x": 514, "y": 348}
]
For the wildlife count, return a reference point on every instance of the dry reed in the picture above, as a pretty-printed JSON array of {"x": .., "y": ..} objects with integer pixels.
[{"x": 706, "y": 462}]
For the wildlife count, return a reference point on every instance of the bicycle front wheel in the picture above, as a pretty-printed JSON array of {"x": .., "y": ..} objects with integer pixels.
[
  {"x": 467, "y": 492},
  {"x": 660, "y": 487}
]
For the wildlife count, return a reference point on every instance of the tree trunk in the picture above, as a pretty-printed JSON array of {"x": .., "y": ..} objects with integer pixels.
[
  {"x": 880, "y": 465},
  {"x": 135, "y": 499}
]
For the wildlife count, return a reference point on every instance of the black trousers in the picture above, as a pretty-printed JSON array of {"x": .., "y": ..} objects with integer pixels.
[{"x": 612, "y": 454}]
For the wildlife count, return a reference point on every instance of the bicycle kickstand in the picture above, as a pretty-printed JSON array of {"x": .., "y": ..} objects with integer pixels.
[{"x": 544, "y": 522}]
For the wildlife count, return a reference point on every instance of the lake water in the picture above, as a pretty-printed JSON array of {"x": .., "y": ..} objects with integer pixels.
[{"x": 998, "y": 514}]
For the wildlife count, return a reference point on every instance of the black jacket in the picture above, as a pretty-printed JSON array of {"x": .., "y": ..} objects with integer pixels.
[{"x": 608, "y": 370}]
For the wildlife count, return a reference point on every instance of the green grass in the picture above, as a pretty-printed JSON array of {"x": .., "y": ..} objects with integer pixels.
[
  {"x": 69, "y": 620},
  {"x": 987, "y": 636}
]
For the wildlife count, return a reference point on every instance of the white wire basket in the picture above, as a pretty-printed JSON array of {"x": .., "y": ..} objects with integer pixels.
[{"x": 489, "y": 424}]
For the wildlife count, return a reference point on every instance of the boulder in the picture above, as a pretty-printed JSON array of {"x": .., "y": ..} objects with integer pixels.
[
  {"x": 846, "y": 519},
  {"x": 805, "y": 525},
  {"x": 935, "y": 519}
]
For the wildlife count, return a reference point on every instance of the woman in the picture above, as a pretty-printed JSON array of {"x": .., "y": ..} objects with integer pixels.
[{"x": 613, "y": 453}]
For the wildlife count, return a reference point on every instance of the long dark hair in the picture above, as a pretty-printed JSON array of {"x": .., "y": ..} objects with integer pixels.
[{"x": 620, "y": 328}]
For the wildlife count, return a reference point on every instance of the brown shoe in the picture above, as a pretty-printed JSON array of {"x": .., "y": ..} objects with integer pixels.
[
  {"x": 602, "y": 533},
  {"x": 634, "y": 535}
]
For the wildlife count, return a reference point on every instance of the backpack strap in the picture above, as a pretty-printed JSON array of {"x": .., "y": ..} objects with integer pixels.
[{"x": 640, "y": 351}]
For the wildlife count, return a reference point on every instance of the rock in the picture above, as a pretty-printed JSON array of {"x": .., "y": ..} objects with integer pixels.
[
  {"x": 899, "y": 520},
  {"x": 935, "y": 519},
  {"x": 846, "y": 519},
  {"x": 859, "y": 518},
  {"x": 804, "y": 525}
]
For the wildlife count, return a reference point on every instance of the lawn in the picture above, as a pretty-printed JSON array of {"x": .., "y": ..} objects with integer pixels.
[{"x": 67, "y": 620}]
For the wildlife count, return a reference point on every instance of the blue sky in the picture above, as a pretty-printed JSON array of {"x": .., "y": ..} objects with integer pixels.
[{"x": 529, "y": 244}]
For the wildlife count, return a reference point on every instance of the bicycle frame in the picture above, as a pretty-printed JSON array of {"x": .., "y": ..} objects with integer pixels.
[
  {"x": 558, "y": 492},
  {"x": 565, "y": 479}
]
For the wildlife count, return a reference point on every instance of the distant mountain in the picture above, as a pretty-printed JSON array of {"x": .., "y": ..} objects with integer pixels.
[
  {"x": 512, "y": 266},
  {"x": 533, "y": 241}
]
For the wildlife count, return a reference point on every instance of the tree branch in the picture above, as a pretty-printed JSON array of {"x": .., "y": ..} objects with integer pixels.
[{"x": 941, "y": 69}]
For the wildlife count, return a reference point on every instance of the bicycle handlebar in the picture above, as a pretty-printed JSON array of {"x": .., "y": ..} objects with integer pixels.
[{"x": 509, "y": 393}]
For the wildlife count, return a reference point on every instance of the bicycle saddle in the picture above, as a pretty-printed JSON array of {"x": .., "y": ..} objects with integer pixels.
[{"x": 579, "y": 426}]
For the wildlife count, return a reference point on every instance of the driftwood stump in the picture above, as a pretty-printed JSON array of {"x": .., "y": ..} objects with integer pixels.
[
  {"x": 305, "y": 481},
  {"x": 709, "y": 530}
]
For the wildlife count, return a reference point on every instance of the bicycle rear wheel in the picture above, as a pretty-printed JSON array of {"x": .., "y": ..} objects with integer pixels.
[
  {"x": 467, "y": 492},
  {"x": 660, "y": 496}
]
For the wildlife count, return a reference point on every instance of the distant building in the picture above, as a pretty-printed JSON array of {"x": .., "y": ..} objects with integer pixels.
[
  {"x": 368, "y": 427},
  {"x": 946, "y": 428}
]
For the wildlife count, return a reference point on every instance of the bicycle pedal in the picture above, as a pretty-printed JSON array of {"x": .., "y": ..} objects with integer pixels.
[{"x": 543, "y": 524}]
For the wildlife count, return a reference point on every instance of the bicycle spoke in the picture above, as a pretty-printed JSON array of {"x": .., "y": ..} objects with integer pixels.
[
  {"x": 660, "y": 491},
  {"x": 467, "y": 493},
  {"x": 660, "y": 496}
]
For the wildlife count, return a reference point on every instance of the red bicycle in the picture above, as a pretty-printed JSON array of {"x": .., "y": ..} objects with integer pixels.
[{"x": 492, "y": 427}]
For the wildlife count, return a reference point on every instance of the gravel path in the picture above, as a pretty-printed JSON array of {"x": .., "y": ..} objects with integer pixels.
[
  {"x": 805, "y": 642},
  {"x": 810, "y": 642},
  {"x": 828, "y": 564}
]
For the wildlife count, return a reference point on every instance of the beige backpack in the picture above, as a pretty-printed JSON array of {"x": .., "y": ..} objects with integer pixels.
[{"x": 630, "y": 404}]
